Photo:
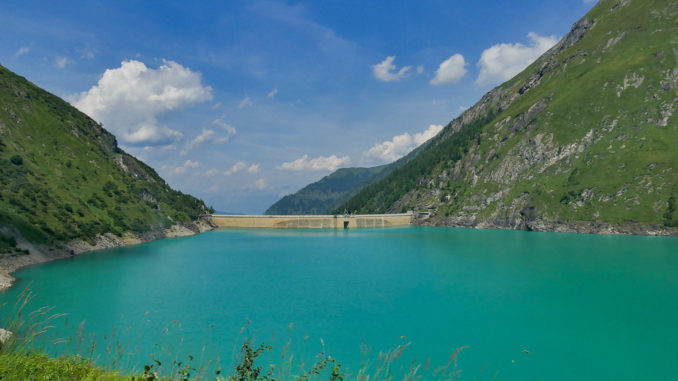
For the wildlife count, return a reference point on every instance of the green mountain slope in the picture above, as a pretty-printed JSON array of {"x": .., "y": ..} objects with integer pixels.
[
  {"x": 327, "y": 193},
  {"x": 63, "y": 177},
  {"x": 584, "y": 139}
]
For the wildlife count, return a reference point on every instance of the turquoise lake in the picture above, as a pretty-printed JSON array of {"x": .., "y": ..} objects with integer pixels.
[{"x": 585, "y": 307}]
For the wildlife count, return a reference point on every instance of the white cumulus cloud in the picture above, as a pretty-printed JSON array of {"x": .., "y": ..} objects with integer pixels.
[
  {"x": 205, "y": 136},
  {"x": 187, "y": 164},
  {"x": 320, "y": 163},
  {"x": 261, "y": 184},
  {"x": 219, "y": 122},
  {"x": 450, "y": 71},
  {"x": 237, "y": 167},
  {"x": 129, "y": 100},
  {"x": 22, "y": 50},
  {"x": 86, "y": 53},
  {"x": 400, "y": 145},
  {"x": 254, "y": 168},
  {"x": 240, "y": 167},
  {"x": 208, "y": 135},
  {"x": 272, "y": 93},
  {"x": 247, "y": 102},
  {"x": 386, "y": 71},
  {"x": 211, "y": 172},
  {"x": 61, "y": 62},
  {"x": 501, "y": 62}
]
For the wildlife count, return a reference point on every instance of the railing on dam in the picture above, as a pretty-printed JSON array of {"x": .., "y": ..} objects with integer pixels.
[{"x": 348, "y": 221}]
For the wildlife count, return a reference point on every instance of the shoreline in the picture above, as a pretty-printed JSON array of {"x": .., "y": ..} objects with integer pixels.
[
  {"x": 552, "y": 226},
  {"x": 41, "y": 253}
]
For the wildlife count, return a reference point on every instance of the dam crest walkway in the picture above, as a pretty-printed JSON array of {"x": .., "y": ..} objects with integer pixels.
[{"x": 337, "y": 221}]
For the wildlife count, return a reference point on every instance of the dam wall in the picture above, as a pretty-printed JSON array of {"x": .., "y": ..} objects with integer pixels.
[{"x": 353, "y": 221}]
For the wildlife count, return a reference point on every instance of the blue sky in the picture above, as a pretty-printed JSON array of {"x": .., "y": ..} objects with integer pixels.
[{"x": 242, "y": 102}]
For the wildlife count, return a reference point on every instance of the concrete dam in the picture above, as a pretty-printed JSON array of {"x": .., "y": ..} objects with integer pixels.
[{"x": 349, "y": 221}]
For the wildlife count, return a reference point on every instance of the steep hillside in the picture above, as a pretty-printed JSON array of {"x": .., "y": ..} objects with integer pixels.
[
  {"x": 63, "y": 178},
  {"x": 327, "y": 194},
  {"x": 324, "y": 195},
  {"x": 584, "y": 139}
]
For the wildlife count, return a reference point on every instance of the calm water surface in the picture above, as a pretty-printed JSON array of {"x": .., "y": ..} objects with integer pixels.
[{"x": 586, "y": 307}]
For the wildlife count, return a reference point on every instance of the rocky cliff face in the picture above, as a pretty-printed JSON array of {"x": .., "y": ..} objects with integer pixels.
[{"x": 579, "y": 141}]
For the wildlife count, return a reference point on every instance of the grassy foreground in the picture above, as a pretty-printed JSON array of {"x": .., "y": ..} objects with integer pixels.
[
  {"x": 25, "y": 364},
  {"x": 17, "y": 365}
]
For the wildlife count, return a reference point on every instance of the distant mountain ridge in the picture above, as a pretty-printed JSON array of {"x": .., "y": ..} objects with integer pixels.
[
  {"x": 582, "y": 140},
  {"x": 327, "y": 194},
  {"x": 66, "y": 187}
]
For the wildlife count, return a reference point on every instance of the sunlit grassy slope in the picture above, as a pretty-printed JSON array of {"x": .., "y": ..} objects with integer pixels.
[
  {"x": 62, "y": 175},
  {"x": 587, "y": 133}
]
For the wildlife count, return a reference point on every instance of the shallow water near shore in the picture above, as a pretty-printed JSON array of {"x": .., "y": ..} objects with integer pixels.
[{"x": 585, "y": 307}]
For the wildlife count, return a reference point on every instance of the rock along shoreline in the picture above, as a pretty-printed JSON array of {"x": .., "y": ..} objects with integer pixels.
[
  {"x": 550, "y": 226},
  {"x": 41, "y": 253}
]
